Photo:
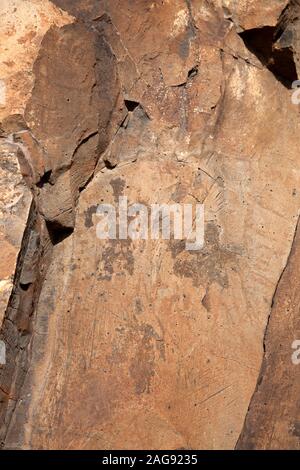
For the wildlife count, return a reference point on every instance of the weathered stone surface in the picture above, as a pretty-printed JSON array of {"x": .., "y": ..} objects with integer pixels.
[
  {"x": 22, "y": 27},
  {"x": 71, "y": 115},
  {"x": 273, "y": 418},
  {"x": 251, "y": 14},
  {"x": 143, "y": 344},
  {"x": 15, "y": 200}
]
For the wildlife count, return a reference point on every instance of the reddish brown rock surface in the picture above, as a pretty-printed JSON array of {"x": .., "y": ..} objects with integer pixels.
[
  {"x": 143, "y": 344},
  {"x": 15, "y": 202},
  {"x": 273, "y": 420}
]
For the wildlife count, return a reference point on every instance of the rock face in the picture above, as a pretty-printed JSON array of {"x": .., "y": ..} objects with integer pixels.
[
  {"x": 22, "y": 27},
  {"x": 273, "y": 418},
  {"x": 15, "y": 202},
  {"x": 142, "y": 344}
]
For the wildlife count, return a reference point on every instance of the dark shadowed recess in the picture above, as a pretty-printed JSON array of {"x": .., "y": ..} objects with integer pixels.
[
  {"x": 280, "y": 61},
  {"x": 58, "y": 233}
]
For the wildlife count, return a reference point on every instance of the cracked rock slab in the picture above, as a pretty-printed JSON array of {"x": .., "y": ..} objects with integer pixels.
[
  {"x": 273, "y": 418},
  {"x": 142, "y": 344},
  {"x": 15, "y": 201}
]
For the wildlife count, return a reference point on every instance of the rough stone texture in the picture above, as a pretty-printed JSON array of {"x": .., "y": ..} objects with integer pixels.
[
  {"x": 15, "y": 200},
  {"x": 142, "y": 344},
  {"x": 22, "y": 27},
  {"x": 71, "y": 117},
  {"x": 273, "y": 421}
]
